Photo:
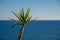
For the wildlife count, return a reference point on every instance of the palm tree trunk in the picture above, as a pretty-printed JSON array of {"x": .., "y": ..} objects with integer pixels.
[{"x": 21, "y": 33}]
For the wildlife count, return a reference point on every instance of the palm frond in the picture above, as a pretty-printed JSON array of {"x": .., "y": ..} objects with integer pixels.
[
  {"x": 15, "y": 14},
  {"x": 13, "y": 20},
  {"x": 33, "y": 20},
  {"x": 27, "y": 13},
  {"x": 22, "y": 15},
  {"x": 27, "y": 21},
  {"x": 14, "y": 25},
  {"x": 23, "y": 12}
]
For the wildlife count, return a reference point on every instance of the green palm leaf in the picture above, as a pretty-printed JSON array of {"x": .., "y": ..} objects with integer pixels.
[
  {"x": 13, "y": 20},
  {"x": 27, "y": 21},
  {"x": 27, "y": 13},
  {"x": 15, "y": 14},
  {"x": 15, "y": 25}
]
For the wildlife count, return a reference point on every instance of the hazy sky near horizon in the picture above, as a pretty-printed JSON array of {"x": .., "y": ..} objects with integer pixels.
[{"x": 43, "y": 9}]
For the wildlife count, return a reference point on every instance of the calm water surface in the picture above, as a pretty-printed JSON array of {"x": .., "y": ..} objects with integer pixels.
[{"x": 37, "y": 30}]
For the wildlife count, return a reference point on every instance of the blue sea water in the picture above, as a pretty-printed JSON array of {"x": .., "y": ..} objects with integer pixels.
[{"x": 37, "y": 30}]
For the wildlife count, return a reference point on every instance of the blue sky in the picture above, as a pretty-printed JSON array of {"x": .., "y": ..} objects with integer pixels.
[{"x": 43, "y": 9}]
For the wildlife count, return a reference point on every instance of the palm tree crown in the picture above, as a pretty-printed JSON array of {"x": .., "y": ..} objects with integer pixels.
[{"x": 21, "y": 17}]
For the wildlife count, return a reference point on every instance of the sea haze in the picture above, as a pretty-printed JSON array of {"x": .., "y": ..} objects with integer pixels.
[{"x": 36, "y": 30}]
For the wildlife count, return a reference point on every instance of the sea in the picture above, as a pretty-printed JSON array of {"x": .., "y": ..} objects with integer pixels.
[{"x": 36, "y": 30}]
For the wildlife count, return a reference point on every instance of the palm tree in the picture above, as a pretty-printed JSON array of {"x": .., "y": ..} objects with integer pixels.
[{"x": 22, "y": 19}]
